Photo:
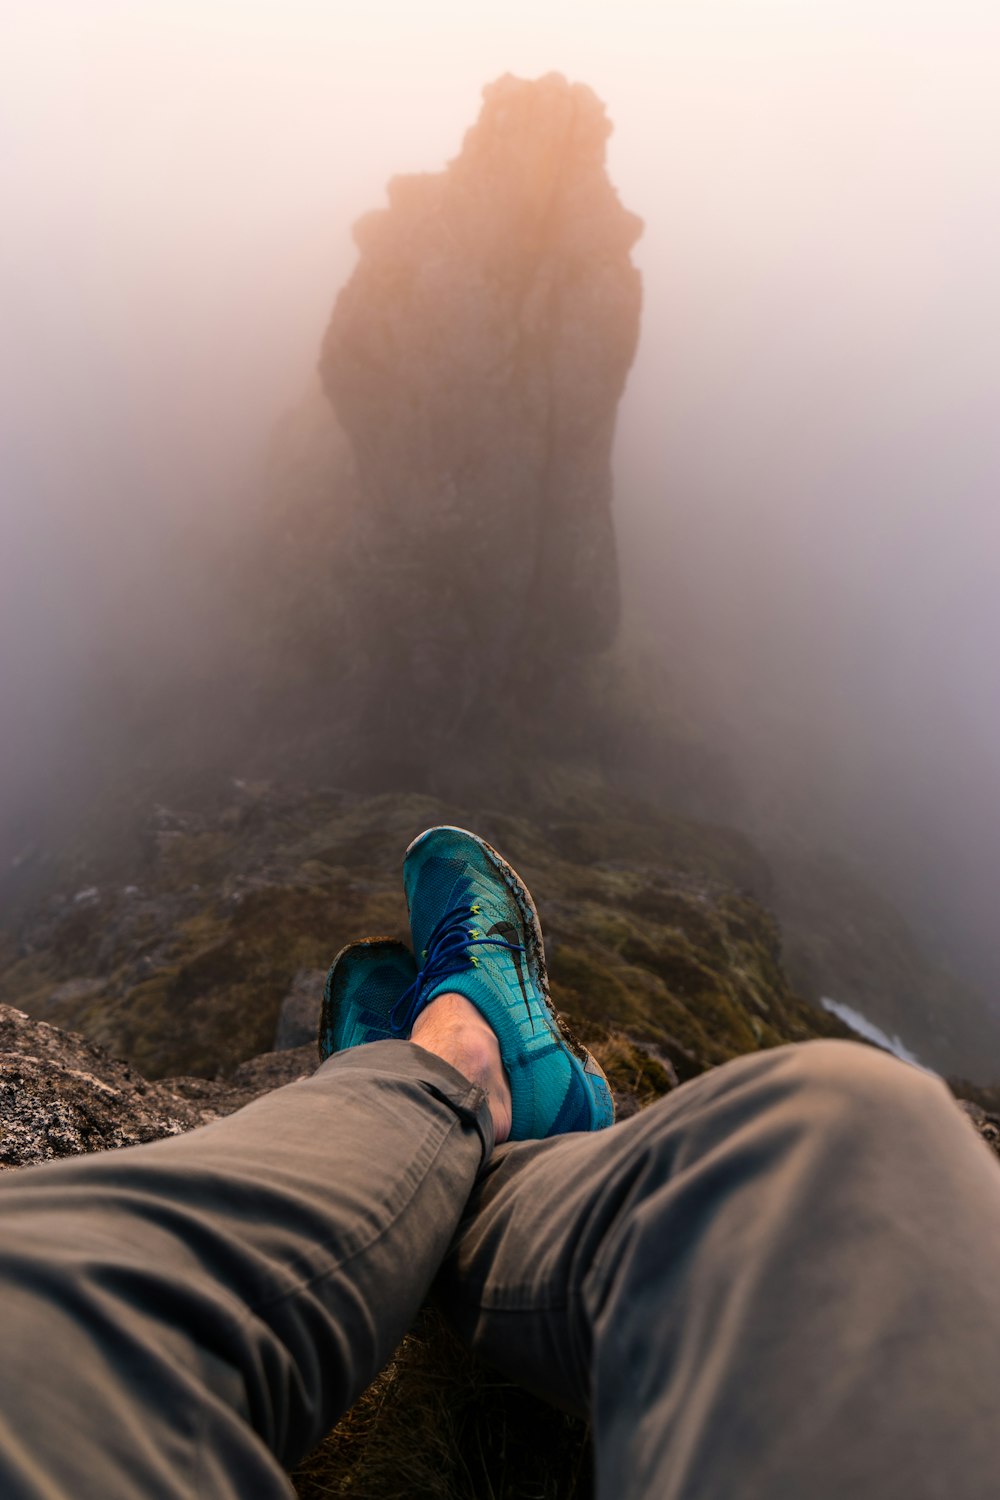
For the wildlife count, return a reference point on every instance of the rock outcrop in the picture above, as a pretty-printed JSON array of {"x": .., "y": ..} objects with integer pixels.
[
  {"x": 60, "y": 1095},
  {"x": 476, "y": 359}
]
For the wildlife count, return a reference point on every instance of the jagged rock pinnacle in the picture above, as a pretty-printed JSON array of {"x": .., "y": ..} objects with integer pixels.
[{"x": 476, "y": 359}]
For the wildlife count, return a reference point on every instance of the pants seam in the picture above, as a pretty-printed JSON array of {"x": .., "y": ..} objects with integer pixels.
[{"x": 395, "y": 1210}]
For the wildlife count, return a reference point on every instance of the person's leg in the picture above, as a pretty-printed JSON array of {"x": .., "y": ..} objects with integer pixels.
[
  {"x": 188, "y": 1318},
  {"x": 778, "y": 1282}
]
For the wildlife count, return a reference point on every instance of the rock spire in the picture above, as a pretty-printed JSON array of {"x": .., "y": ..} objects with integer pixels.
[{"x": 476, "y": 359}]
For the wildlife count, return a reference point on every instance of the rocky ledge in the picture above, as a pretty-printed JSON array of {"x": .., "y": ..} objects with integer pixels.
[{"x": 61, "y": 1095}]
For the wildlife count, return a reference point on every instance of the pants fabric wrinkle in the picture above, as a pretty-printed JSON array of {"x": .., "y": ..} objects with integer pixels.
[{"x": 776, "y": 1282}]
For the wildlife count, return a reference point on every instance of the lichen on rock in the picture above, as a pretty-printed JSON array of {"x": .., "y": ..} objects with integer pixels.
[{"x": 60, "y": 1095}]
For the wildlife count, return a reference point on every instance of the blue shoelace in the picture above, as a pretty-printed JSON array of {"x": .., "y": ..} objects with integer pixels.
[{"x": 447, "y": 953}]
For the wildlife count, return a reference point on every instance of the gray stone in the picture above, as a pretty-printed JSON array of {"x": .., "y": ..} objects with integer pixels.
[
  {"x": 61, "y": 1095},
  {"x": 298, "y": 1022}
]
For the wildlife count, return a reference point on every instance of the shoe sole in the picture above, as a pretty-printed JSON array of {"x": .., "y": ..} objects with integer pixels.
[{"x": 534, "y": 946}]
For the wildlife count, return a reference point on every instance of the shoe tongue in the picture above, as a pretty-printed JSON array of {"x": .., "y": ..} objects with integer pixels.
[{"x": 440, "y": 885}]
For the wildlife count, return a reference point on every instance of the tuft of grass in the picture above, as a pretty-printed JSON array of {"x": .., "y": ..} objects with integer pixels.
[{"x": 438, "y": 1424}]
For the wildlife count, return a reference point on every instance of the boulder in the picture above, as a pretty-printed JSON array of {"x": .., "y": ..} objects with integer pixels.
[{"x": 298, "y": 1020}]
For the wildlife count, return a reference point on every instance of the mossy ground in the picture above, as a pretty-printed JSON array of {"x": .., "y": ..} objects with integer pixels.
[{"x": 651, "y": 930}]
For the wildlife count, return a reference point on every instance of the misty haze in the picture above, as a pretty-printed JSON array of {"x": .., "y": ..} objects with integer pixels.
[{"x": 299, "y": 515}]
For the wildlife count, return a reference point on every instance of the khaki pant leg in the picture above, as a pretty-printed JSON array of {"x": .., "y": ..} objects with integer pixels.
[
  {"x": 188, "y": 1318},
  {"x": 779, "y": 1283}
]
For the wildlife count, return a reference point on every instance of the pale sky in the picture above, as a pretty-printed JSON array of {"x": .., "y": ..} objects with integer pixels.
[{"x": 168, "y": 163}]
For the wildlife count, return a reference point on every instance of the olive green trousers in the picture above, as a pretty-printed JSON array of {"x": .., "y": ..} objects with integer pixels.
[{"x": 778, "y": 1283}]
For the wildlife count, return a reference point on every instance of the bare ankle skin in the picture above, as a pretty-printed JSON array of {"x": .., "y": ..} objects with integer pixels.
[{"x": 452, "y": 1028}]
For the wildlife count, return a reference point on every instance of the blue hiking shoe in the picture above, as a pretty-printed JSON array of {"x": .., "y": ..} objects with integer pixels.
[
  {"x": 365, "y": 981},
  {"x": 476, "y": 932}
]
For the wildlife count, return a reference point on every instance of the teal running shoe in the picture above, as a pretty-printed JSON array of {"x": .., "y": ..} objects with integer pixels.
[
  {"x": 476, "y": 930},
  {"x": 364, "y": 983}
]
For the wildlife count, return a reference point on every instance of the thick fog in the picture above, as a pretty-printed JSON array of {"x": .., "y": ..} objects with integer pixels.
[{"x": 807, "y": 451}]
